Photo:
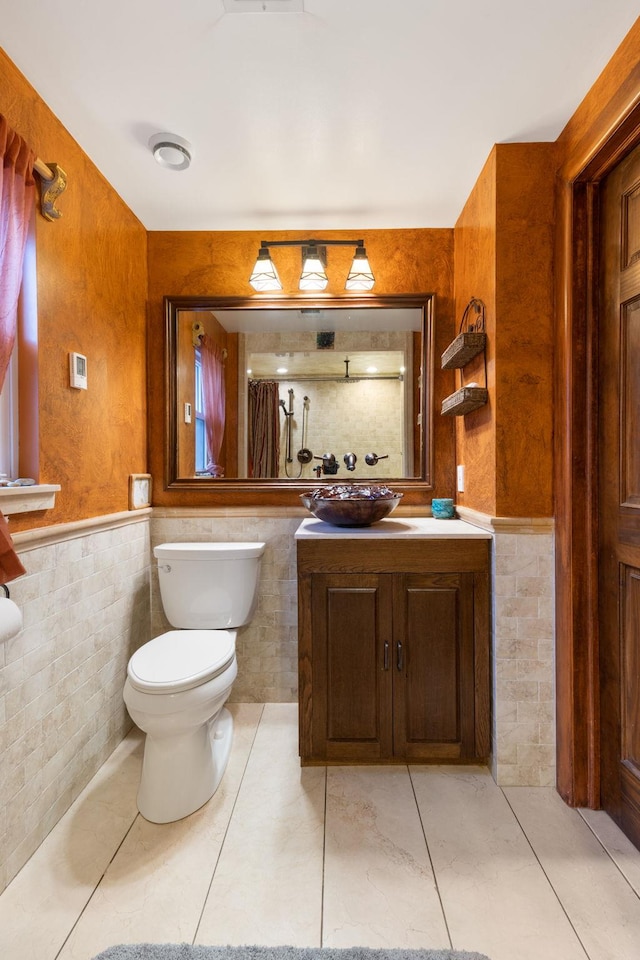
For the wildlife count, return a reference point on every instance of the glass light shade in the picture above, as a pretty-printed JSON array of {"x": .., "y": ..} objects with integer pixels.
[
  {"x": 360, "y": 276},
  {"x": 265, "y": 276},
  {"x": 313, "y": 276}
]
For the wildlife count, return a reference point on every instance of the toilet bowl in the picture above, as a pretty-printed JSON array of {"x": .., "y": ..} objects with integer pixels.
[{"x": 177, "y": 683}]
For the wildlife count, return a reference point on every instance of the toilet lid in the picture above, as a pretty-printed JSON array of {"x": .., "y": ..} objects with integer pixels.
[{"x": 181, "y": 659}]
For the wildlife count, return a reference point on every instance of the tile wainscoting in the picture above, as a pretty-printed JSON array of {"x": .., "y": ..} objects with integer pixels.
[
  {"x": 85, "y": 602},
  {"x": 523, "y": 656},
  {"x": 523, "y": 649},
  {"x": 267, "y": 648},
  {"x": 90, "y": 598}
]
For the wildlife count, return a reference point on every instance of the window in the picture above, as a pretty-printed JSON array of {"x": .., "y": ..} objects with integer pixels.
[
  {"x": 201, "y": 443},
  {"x": 9, "y": 420},
  {"x": 16, "y": 438}
]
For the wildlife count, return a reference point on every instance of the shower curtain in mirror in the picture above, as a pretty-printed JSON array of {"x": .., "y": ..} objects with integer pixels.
[
  {"x": 17, "y": 193},
  {"x": 213, "y": 394},
  {"x": 264, "y": 428}
]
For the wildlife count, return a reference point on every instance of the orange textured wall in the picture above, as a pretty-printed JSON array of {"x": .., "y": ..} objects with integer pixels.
[
  {"x": 503, "y": 255},
  {"x": 91, "y": 286},
  {"x": 524, "y": 329},
  {"x": 219, "y": 264},
  {"x": 475, "y": 276}
]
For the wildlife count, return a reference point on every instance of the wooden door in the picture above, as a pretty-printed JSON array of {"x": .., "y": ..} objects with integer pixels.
[
  {"x": 619, "y": 488},
  {"x": 351, "y": 620},
  {"x": 433, "y": 666}
]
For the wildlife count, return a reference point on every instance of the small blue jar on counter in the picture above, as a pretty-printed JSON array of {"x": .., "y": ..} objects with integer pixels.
[{"x": 442, "y": 508}]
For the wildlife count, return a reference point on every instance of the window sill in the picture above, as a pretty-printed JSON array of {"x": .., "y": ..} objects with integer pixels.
[{"x": 41, "y": 496}]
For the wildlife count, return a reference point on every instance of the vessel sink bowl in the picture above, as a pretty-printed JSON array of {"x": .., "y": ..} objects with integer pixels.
[{"x": 351, "y": 511}]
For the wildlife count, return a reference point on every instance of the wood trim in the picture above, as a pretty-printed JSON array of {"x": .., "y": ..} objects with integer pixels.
[
  {"x": 279, "y": 492},
  {"x": 575, "y": 486},
  {"x": 576, "y": 459}
]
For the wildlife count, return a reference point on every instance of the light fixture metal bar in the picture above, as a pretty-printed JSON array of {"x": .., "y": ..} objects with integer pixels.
[{"x": 312, "y": 243}]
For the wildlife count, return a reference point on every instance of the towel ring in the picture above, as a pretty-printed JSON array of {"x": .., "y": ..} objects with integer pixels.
[{"x": 4, "y": 587}]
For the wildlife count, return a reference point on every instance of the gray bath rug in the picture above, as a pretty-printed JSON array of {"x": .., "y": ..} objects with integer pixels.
[{"x": 183, "y": 951}]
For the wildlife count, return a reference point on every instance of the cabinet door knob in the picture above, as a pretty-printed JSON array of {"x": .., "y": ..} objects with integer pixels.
[
  {"x": 386, "y": 655},
  {"x": 399, "y": 661}
]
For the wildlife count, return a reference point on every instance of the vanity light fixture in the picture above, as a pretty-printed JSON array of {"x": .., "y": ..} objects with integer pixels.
[
  {"x": 360, "y": 276},
  {"x": 313, "y": 276},
  {"x": 171, "y": 151},
  {"x": 314, "y": 260},
  {"x": 265, "y": 276}
]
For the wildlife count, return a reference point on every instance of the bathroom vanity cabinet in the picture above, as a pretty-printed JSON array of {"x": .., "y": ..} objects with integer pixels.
[{"x": 393, "y": 647}]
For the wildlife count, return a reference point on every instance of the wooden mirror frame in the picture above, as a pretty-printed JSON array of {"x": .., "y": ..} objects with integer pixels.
[{"x": 278, "y": 490}]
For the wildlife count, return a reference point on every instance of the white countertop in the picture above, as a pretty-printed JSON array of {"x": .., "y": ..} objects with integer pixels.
[{"x": 425, "y": 528}]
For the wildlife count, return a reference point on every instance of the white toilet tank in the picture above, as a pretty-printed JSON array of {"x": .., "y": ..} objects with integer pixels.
[{"x": 208, "y": 586}]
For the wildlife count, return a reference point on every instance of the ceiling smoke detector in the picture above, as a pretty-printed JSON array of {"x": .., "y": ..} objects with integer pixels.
[
  {"x": 264, "y": 6},
  {"x": 171, "y": 151}
]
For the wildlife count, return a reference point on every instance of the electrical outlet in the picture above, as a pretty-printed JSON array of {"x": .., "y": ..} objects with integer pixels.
[{"x": 460, "y": 478}]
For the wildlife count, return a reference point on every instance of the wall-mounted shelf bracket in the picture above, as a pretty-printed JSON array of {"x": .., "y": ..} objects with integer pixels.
[{"x": 471, "y": 341}]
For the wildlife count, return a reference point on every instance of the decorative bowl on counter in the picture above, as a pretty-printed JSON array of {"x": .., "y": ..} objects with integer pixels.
[{"x": 351, "y": 504}]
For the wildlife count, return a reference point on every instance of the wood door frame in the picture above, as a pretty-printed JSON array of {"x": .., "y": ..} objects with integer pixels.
[{"x": 576, "y": 458}]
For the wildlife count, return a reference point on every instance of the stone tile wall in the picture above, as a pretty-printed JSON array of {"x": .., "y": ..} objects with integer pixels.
[
  {"x": 267, "y": 648},
  {"x": 85, "y": 603},
  {"x": 524, "y": 734},
  {"x": 522, "y": 649},
  {"x": 523, "y": 654},
  {"x": 90, "y": 598}
]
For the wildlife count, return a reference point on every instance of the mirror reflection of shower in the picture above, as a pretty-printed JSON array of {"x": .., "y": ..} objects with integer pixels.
[{"x": 356, "y": 388}]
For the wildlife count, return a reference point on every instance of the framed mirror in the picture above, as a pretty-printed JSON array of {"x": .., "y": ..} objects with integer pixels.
[{"x": 291, "y": 392}]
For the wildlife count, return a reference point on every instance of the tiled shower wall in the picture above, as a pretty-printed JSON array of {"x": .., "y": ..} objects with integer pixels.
[{"x": 85, "y": 603}]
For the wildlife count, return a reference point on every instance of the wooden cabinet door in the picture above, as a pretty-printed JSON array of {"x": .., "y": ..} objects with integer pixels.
[
  {"x": 433, "y": 666},
  {"x": 351, "y": 624}
]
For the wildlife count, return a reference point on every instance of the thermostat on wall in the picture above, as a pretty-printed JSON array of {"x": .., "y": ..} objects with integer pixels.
[{"x": 78, "y": 371}]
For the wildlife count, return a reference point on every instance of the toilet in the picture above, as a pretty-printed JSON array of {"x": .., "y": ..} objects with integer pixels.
[{"x": 177, "y": 683}]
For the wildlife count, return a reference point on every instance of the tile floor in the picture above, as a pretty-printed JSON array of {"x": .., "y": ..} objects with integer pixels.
[{"x": 369, "y": 856}]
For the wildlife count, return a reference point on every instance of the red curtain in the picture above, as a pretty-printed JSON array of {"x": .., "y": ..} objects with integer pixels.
[
  {"x": 17, "y": 192},
  {"x": 213, "y": 392}
]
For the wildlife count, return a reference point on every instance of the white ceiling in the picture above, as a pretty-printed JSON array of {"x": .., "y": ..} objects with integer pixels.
[{"x": 353, "y": 114}]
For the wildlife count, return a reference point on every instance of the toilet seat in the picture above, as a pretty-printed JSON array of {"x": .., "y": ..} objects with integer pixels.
[{"x": 180, "y": 660}]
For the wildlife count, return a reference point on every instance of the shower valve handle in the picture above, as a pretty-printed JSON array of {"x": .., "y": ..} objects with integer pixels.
[{"x": 372, "y": 458}]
